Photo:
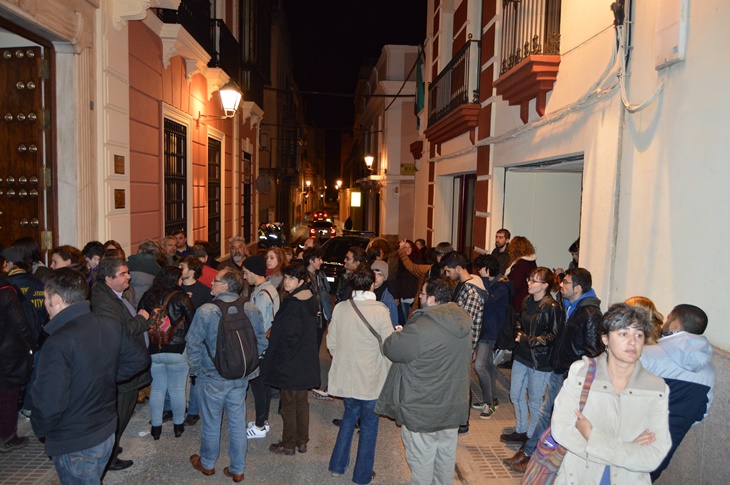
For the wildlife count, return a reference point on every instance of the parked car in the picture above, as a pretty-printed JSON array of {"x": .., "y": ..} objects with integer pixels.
[
  {"x": 333, "y": 259},
  {"x": 322, "y": 230}
]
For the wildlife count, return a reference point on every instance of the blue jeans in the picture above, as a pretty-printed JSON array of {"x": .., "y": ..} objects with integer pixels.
[
  {"x": 169, "y": 374},
  {"x": 217, "y": 396},
  {"x": 526, "y": 380},
  {"x": 85, "y": 466},
  {"x": 555, "y": 383},
  {"x": 340, "y": 460},
  {"x": 194, "y": 399},
  {"x": 485, "y": 369}
]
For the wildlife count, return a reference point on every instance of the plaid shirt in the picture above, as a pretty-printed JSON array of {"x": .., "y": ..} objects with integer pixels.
[{"x": 470, "y": 300}]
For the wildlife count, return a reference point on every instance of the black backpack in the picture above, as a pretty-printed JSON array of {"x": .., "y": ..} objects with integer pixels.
[
  {"x": 506, "y": 338},
  {"x": 236, "y": 352}
]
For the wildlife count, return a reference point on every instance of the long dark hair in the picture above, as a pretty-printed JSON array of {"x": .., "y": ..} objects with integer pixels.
[{"x": 165, "y": 282}]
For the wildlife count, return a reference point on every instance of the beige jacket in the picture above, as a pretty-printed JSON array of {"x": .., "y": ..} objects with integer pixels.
[
  {"x": 358, "y": 368},
  {"x": 617, "y": 420}
]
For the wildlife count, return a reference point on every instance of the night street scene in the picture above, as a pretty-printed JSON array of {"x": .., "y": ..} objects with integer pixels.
[{"x": 389, "y": 242}]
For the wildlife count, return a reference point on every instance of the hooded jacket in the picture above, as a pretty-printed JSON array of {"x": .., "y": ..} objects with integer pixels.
[
  {"x": 427, "y": 387},
  {"x": 684, "y": 361},
  {"x": 581, "y": 333}
]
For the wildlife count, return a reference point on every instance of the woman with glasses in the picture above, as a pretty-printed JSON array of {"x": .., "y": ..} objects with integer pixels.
[{"x": 537, "y": 323}]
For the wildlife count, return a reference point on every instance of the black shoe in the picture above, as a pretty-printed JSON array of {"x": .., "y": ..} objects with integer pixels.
[
  {"x": 514, "y": 437},
  {"x": 120, "y": 465},
  {"x": 179, "y": 430},
  {"x": 337, "y": 423},
  {"x": 156, "y": 431},
  {"x": 191, "y": 419},
  {"x": 463, "y": 429},
  {"x": 495, "y": 403}
]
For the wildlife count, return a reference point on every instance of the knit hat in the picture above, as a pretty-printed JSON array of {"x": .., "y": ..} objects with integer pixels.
[
  {"x": 255, "y": 264},
  {"x": 12, "y": 255},
  {"x": 381, "y": 266}
]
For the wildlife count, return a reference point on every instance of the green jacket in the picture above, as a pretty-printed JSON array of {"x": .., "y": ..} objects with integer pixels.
[
  {"x": 104, "y": 302},
  {"x": 427, "y": 388}
]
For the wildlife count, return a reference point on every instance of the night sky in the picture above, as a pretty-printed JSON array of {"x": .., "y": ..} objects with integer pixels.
[{"x": 331, "y": 40}]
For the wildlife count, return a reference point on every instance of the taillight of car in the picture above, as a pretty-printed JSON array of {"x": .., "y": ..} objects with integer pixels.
[
  {"x": 312, "y": 231},
  {"x": 332, "y": 230}
]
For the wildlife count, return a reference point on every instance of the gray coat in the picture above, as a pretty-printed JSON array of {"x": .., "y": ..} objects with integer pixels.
[{"x": 427, "y": 388}]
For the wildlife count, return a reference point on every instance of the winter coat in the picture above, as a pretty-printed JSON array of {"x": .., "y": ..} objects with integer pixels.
[
  {"x": 518, "y": 273},
  {"x": 358, "y": 368},
  {"x": 179, "y": 308},
  {"x": 427, "y": 388},
  {"x": 105, "y": 303},
  {"x": 581, "y": 334},
  {"x": 502, "y": 257},
  {"x": 16, "y": 340},
  {"x": 142, "y": 268},
  {"x": 320, "y": 287},
  {"x": 500, "y": 291},
  {"x": 537, "y": 324},
  {"x": 292, "y": 359},
  {"x": 75, "y": 392},
  {"x": 617, "y": 419},
  {"x": 32, "y": 290}
]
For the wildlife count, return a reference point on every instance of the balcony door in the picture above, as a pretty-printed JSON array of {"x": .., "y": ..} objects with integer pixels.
[{"x": 462, "y": 213}]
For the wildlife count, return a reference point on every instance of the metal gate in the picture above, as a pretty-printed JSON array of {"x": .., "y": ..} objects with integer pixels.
[{"x": 26, "y": 196}]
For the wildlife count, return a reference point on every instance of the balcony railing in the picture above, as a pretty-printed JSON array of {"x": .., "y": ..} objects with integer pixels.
[
  {"x": 456, "y": 85},
  {"x": 226, "y": 52},
  {"x": 530, "y": 27},
  {"x": 194, "y": 16}
]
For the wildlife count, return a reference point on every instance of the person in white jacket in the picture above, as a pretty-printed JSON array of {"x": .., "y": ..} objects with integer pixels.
[
  {"x": 683, "y": 357},
  {"x": 622, "y": 434}
]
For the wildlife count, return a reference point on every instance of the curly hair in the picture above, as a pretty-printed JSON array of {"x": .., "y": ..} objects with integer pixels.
[
  {"x": 518, "y": 247},
  {"x": 165, "y": 281}
]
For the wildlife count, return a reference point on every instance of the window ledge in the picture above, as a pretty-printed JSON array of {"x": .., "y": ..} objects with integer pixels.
[
  {"x": 463, "y": 119},
  {"x": 532, "y": 78}
]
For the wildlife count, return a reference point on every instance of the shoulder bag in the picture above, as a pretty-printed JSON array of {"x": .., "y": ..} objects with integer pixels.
[
  {"x": 544, "y": 463},
  {"x": 372, "y": 330}
]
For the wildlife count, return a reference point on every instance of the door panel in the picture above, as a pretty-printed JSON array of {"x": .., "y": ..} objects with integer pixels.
[{"x": 24, "y": 186}]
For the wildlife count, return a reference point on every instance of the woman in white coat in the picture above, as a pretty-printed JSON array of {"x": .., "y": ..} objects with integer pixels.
[{"x": 623, "y": 432}]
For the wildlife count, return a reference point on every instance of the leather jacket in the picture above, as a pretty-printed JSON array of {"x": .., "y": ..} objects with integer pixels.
[
  {"x": 537, "y": 325},
  {"x": 178, "y": 308},
  {"x": 579, "y": 336}
]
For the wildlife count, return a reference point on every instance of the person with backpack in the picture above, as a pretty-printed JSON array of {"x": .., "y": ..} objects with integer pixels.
[
  {"x": 169, "y": 307},
  {"x": 292, "y": 359},
  {"x": 222, "y": 347}
]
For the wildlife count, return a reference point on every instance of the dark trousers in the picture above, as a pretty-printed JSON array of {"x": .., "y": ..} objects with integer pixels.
[
  {"x": 262, "y": 399},
  {"x": 295, "y": 414},
  {"x": 8, "y": 413},
  {"x": 125, "y": 407}
]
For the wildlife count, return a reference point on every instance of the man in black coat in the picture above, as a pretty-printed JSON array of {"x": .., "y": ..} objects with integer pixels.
[
  {"x": 74, "y": 399},
  {"x": 106, "y": 301},
  {"x": 579, "y": 336}
]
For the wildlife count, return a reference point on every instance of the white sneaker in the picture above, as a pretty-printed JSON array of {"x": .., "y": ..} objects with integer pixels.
[
  {"x": 255, "y": 432},
  {"x": 321, "y": 394},
  {"x": 251, "y": 424}
]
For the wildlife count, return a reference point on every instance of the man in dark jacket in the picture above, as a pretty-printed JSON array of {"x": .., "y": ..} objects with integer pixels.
[
  {"x": 74, "y": 399},
  {"x": 579, "y": 336},
  {"x": 106, "y": 301},
  {"x": 431, "y": 363},
  {"x": 499, "y": 299},
  {"x": 501, "y": 243}
]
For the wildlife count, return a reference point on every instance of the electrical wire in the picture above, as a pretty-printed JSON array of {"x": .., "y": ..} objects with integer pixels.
[{"x": 622, "y": 74}]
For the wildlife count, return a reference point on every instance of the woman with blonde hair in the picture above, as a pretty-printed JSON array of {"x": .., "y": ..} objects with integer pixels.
[
  {"x": 522, "y": 261},
  {"x": 656, "y": 319}
]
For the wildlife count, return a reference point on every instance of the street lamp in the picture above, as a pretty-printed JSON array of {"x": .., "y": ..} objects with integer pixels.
[
  {"x": 230, "y": 95},
  {"x": 308, "y": 183},
  {"x": 369, "y": 161}
]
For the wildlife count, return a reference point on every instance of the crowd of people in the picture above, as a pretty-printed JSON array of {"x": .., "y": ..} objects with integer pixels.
[{"x": 85, "y": 340}]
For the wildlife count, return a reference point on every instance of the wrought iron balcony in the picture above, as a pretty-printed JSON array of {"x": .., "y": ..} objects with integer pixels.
[
  {"x": 457, "y": 84},
  {"x": 194, "y": 16},
  {"x": 530, "y": 27},
  {"x": 226, "y": 53}
]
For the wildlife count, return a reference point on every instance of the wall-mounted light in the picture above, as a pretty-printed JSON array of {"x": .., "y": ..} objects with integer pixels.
[
  {"x": 308, "y": 183},
  {"x": 369, "y": 161},
  {"x": 231, "y": 96}
]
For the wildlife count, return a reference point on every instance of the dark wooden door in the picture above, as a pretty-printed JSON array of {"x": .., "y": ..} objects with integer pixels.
[{"x": 25, "y": 184}]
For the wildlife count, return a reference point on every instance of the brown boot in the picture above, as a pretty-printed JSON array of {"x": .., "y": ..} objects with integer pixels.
[
  {"x": 521, "y": 464},
  {"x": 515, "y": 458}
]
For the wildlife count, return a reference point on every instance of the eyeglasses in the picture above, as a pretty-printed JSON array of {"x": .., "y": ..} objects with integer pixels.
[
  {"x": 217, "y": 281},
  {"x": 530, "y": 280}
]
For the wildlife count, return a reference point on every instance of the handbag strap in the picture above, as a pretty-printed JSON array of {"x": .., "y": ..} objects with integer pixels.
[
  {"x": 590, "y": 375},
  {"x": 372, "y": 330}
]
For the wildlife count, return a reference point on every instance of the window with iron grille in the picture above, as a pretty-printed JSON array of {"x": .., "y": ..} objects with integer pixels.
[
  {"x": 529, "y": 27},
  {"x": 246, "y": 196},
  {"x": 215, "y": 198},
  {"x": 175, "y": 159}
]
